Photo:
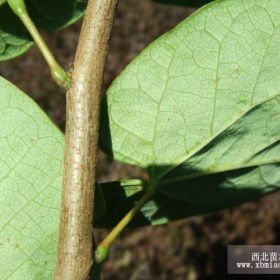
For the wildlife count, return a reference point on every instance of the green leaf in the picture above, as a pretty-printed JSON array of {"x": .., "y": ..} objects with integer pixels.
[
  {"x": 2, "y": 1},
  {"x": 31, "y": 152},
  {"x": 187, "y": 3},
  {"x": 199, "y": 107},
  {"x": 31, "y": 159},
  {"x": 47, "y": 14},
  {"x": 14, "y": 38},
  {"x": 55, "y": 14}
]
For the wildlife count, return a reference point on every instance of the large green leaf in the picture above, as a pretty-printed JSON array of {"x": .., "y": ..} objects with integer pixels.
[
  {"x": 47, "y": 14},
  {"x": 187, "y": 3},
  {"x": 31, "y": 157},
  {"x": 199, "y": 107},
  {"x": 31, "y": 153}
]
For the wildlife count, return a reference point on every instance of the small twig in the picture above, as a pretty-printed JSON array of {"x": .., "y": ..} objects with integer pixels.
[
  {"x": 75, "y": 248},
  {"x": 102, "y": 249},
  {"x": 57, "y": 72}
]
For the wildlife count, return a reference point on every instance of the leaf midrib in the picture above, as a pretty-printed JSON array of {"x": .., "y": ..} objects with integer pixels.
[{"x": 217, "y": 171}]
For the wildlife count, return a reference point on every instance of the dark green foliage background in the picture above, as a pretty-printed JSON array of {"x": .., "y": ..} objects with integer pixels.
[{"x": 49, "y": 15}]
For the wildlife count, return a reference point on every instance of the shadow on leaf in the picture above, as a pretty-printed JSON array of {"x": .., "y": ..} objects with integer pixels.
[{"x": 179, "y": 197}]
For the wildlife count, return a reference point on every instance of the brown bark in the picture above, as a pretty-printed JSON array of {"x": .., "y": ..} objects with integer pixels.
[{"x": 75, "y": 247}]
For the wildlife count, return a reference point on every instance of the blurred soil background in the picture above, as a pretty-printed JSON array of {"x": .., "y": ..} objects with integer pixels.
[{"x": 193, "y": 248}]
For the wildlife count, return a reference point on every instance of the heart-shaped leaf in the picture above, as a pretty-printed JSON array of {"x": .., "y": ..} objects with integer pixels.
[
  {"x": 199, "y": 107},
  {"x": 47, "y": 14},
  {"x": 187, "y": 3}
]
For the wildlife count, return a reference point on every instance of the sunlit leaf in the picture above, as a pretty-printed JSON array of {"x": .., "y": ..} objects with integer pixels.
[
  {"x": 31, "y": 153},
  {"x": 31, "y": 159},
  {"x": 199, "y": 107}
]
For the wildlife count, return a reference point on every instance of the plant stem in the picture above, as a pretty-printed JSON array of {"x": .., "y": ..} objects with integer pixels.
[
  {"x": 75, "y": 255},
  {"x": 57, "y": 72},
  {"x": 102, "y": 249}
]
